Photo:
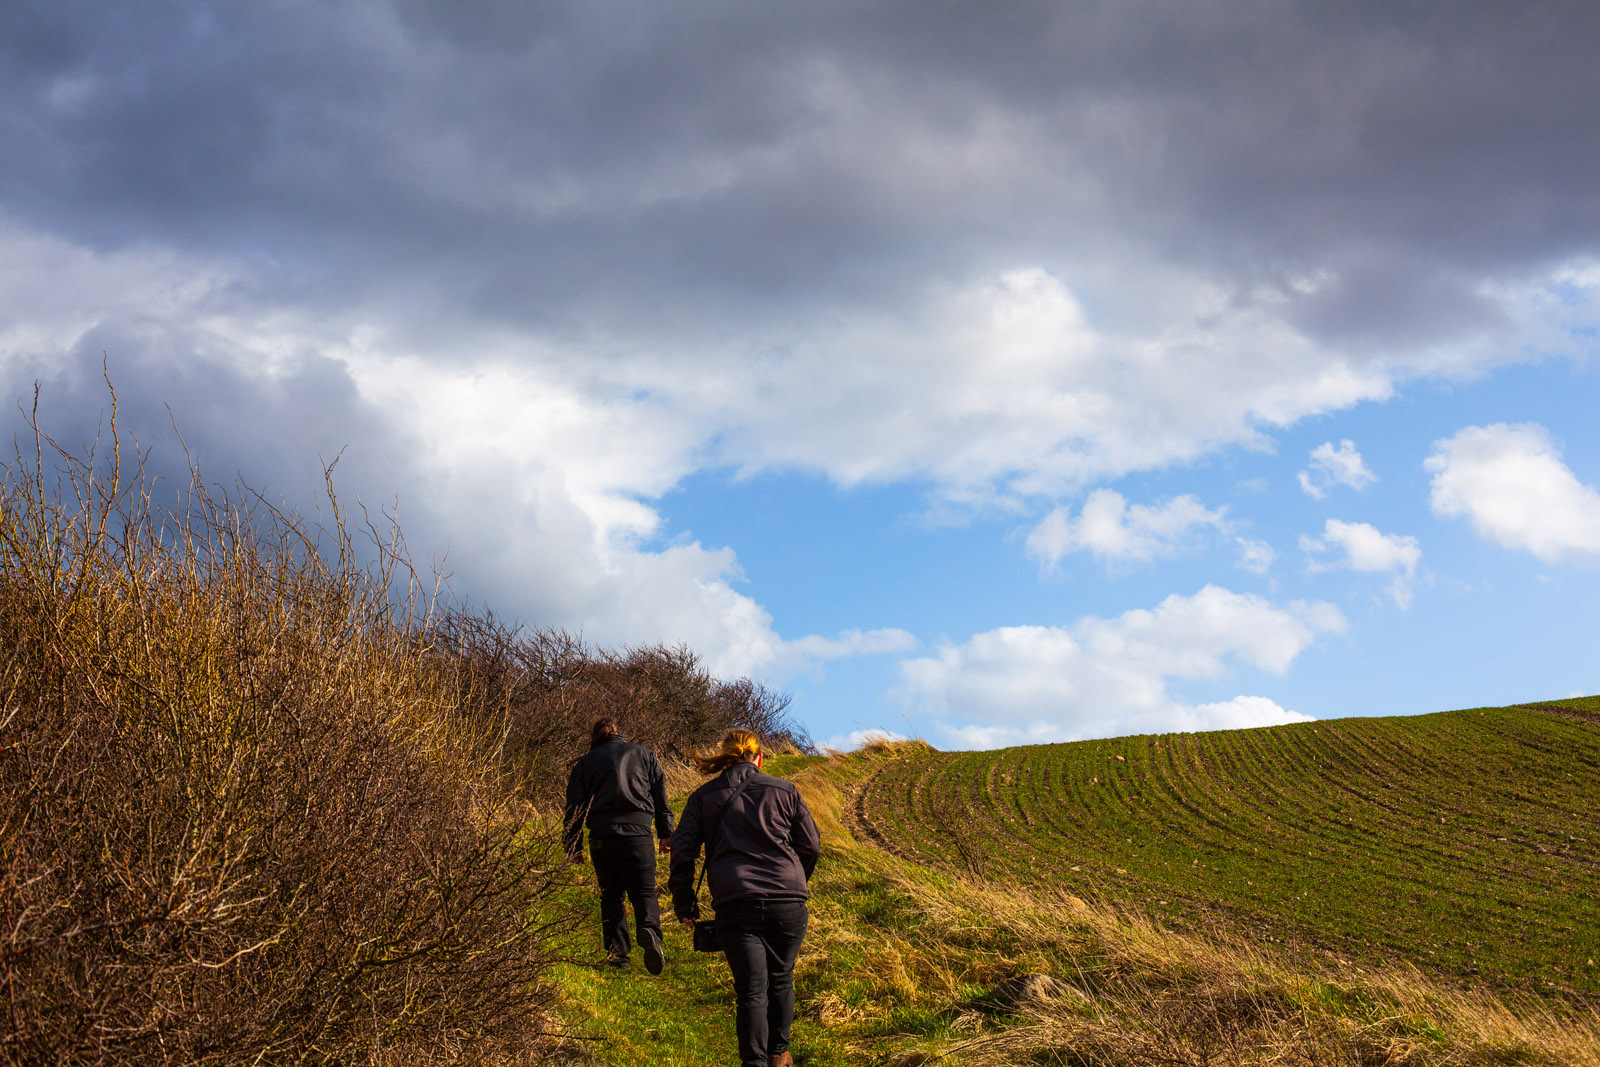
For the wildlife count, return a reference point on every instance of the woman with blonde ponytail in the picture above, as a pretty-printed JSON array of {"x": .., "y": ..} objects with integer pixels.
[
  {"x": 761, "y": 846},
  {"x": 740, "y": 746}
]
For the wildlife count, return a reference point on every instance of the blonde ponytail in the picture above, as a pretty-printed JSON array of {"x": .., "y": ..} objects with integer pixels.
[{"x": 740, "y": 746}]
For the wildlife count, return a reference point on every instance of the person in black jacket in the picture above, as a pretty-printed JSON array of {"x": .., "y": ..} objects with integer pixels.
[
  {"x": 761, "y": 847},
  {"x": 616, "y": 789}
]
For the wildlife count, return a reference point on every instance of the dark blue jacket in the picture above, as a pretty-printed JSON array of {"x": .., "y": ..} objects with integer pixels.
[
  {"x": 616, "y": 788},
  {"x": 766, "y": 842}
]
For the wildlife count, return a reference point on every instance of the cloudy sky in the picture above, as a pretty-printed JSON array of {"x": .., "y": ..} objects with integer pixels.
[{"x": 987, "y": 372}]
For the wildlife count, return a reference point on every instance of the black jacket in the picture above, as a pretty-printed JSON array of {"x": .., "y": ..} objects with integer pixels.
[
  {"x": 616, "y": 788},
  {"x": 766, "y": 843}
]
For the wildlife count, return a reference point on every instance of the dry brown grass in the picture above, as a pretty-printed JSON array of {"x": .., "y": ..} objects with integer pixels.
[
  {"x": 682, "y": 777},
  {"x": 1124, "y": 991}
]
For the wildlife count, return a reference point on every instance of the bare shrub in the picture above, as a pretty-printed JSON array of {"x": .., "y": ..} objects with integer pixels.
[
  {"x": 247, "y": 815},
  {"x": 535, "y": 693}
]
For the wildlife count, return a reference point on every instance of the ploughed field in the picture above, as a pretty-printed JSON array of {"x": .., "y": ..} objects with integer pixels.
[{"x": 1464, "y": 842}]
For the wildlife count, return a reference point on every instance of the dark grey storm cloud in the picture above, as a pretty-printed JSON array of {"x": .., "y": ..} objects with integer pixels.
[
  {"x": 287, "y": 438},
  {"x": 648, "y": 165},
  {"x": 536, "y": 263},
  {"x": 180, "y": 409}
]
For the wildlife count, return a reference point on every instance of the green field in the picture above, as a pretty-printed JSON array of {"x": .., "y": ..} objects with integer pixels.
[{"x": 1463, "y": 842}]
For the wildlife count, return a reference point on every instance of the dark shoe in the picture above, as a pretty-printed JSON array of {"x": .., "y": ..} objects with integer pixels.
[
  {"x": 782, "y": 1059},
  {"x": 619, "y": 963},
  {"x": 654, "y": 960}
]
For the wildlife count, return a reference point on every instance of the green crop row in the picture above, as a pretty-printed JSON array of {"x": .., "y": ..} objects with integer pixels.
[{"x": 1461, "y": 842}]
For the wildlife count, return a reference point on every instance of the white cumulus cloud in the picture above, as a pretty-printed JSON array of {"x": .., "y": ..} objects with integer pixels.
[
  {"x": 1255, "y": 556},
  {"x": 530, "y": 484},
  {"x": 1367, "y": 550},
  {"x": 1005, "y": 387},
  {"x": 803, "y": 652},
  {"x": 1335, "y": 465},
  {"x": 1106, "y": 677},
  {"x": 1113, "y": 531},
  {"x": 1511, "y": 483}
]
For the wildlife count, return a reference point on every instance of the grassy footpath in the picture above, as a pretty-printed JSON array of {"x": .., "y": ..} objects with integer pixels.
[
  {"x": 861, "y": 995},
  {"x": 856, "y": 1001},
  {"x": 905, "y": 963}
]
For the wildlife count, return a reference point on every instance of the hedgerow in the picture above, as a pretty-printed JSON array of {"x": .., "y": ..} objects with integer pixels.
[{"x": 268, "y": 796}]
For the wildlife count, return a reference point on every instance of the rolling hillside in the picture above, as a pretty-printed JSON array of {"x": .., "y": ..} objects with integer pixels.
[{"x": 1463, "y": 842}]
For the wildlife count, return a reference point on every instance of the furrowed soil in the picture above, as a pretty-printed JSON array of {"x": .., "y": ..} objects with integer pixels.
[{"x": 1463, "y": 842}]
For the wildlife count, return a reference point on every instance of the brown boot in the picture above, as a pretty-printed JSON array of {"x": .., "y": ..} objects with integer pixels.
[{"x": 782, "y": 1059}]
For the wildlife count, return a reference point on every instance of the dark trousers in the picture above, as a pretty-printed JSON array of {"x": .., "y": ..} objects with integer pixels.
[
  {"x": 761, "y": 939},
  {"x": 625, "y": 865}
]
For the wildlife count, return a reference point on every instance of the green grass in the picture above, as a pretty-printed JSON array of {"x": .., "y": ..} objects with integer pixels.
[
  {"x": 908, "y": 952},
  {"x": 684, "y": 1017},
  {"x": 862, "y": 992},
  {"x": 1462, "y": 842},
  {"x": 859, "y": 992}
]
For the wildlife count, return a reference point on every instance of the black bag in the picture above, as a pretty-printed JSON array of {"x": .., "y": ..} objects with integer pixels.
[
  {"x": 705, "y": 930},
  {"x": 705, "y": 936}
]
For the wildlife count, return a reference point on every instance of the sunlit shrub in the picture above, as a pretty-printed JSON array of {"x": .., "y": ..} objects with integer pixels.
[{"x": 247, "y": 814}]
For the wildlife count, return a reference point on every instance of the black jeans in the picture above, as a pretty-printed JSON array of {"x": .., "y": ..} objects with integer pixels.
[
  {"x": 761, "y": 939},
  {"x": 625, "y": 864}
]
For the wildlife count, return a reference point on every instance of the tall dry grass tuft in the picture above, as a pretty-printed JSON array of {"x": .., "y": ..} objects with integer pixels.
[
  {"x": 1116, "y": 989},
  {"x": 247, "y": 813}
]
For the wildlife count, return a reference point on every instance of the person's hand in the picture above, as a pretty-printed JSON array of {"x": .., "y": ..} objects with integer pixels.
[
  {"x": 687, "y": 922},
  {"x": 664, "y": 845}
]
